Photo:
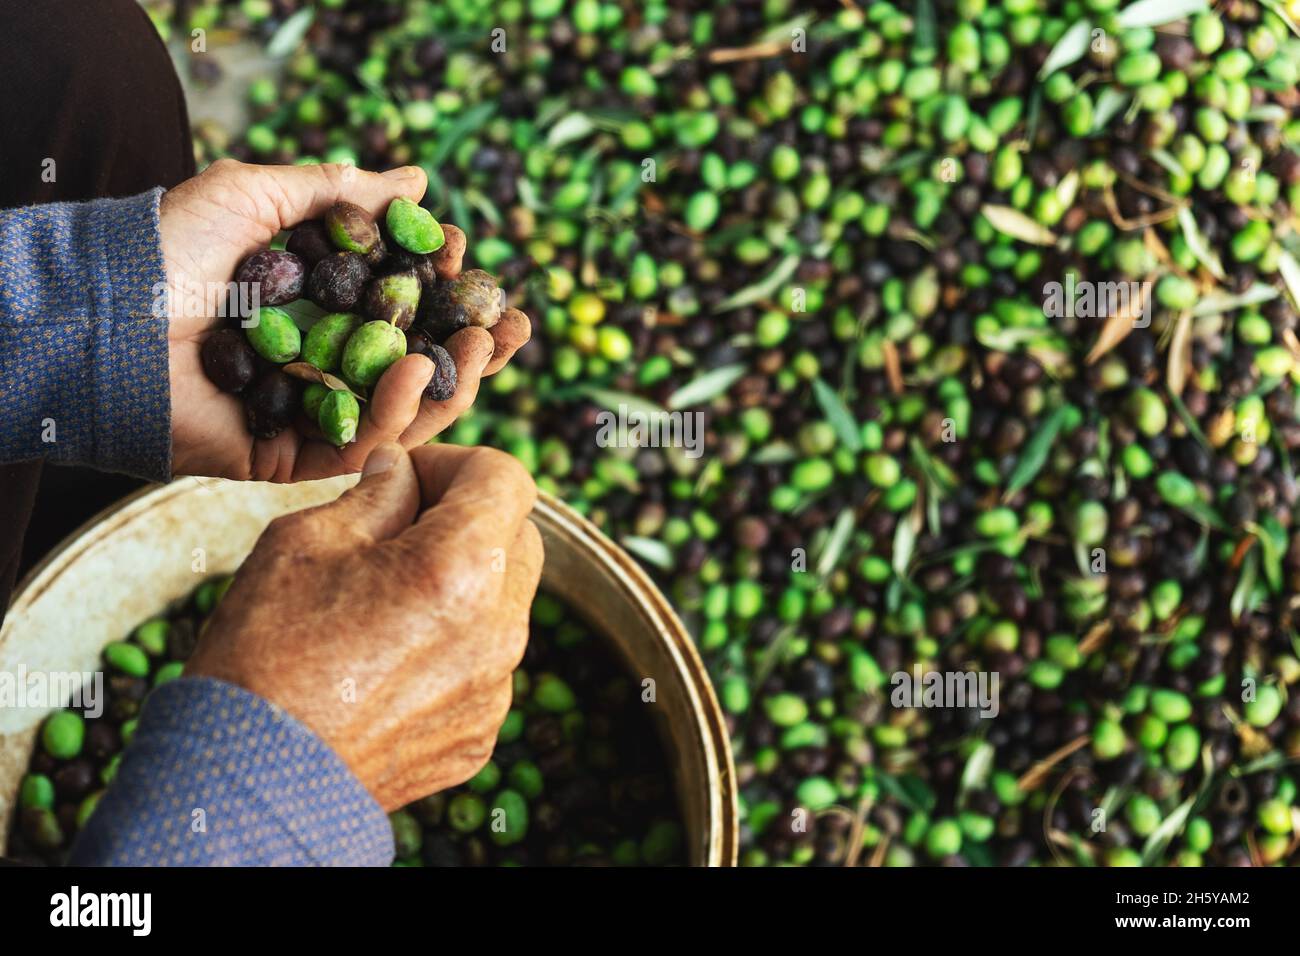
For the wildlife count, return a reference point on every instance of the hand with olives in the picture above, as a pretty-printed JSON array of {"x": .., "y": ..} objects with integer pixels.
[
  {"x": 390, "y": 621},
  {"x": 214, "y": 222}
]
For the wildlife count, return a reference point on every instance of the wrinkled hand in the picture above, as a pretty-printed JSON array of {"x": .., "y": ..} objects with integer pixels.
[
  {"x": 209, "y": 225},
  {"x": 391, "y": 620}
]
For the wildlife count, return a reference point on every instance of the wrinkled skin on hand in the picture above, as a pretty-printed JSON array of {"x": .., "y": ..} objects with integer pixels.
[
  {"x": 390, "y": 621},
  {"x": 212, "y": 223}
]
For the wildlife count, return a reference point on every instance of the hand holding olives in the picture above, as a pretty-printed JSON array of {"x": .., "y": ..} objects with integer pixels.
[{"x": 346, "y": 255}]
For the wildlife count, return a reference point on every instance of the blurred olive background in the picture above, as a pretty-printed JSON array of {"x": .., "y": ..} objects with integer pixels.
[{"x": 830, "y": 228}]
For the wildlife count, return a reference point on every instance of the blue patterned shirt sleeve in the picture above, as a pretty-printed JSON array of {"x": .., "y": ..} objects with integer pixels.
[
  {"x": 83, "y": 356},
  {"x": 217, "y": 776}
]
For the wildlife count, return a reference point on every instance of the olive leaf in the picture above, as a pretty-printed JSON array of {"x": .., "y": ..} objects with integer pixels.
[
  {"x": 1280, "y": 11},
  {"x": 1067, "y": 189},
  {"x": 707, "y": 387},
  {"x": 936, "y": 472},
  {"x": 838, "y": 415},
  {"x": 310, "y": 373},
  {"x": 774, "y": 453},
  {"x": 1189, "y": 421},
  {"x": 1242, "y": 601},
  {"x": 1216, "y": 303},
  {"x": 1070, "y": 48},
  {"x": 304, "y": 313},
  {"x": 836, "y": 541},
  {"x": 1036, "y": 452},
  {"x": 1272, "y": 546},
  {"x": 1154, "y": 13},
  {"x": 612, "y": 400},
  {"x": 1267, "y": 113},
  {"x": 764, "y": 288},
  {"x": 780, "y": 32},
  {"x": 650, "y": 550},
  {"x": 1198, "y": 244},
  {"x": 1165, "y": 159},
  {"x": 882, "y": 164},
  {"x": 923, "y": 32},
  {"x": 905, "y": 534},
  {"x": 1203, "y": 514},
  {"x": 450, "y": 138},
  {"x": 909, "y": 790},
  {"x": 1014, "y": 223},
  {"x": 979, "y": 765},
  {"x": 570, "y": 129},
  {"x": 1160, "y": 838},
  {"x": 290, "y": 33},
  {"x": 1290, "y": 270},
  {"x": 978, "y": 854},
  {"x": 1110, "y": 103}
]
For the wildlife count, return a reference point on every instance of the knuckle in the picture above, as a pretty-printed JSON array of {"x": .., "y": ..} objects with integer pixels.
[
  {"x": 289, "y": 531},
  {"x": 477, "y": 754},
  {"x": 461, "y": 583},
  {"x": 508, "y": 475},
  {"x": 530, "y": 538},
  {"x": 225, "y": 165},
  {"x": 335, "y": 173}
]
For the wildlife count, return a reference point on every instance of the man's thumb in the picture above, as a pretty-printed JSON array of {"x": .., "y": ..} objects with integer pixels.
[{"x": 306, "y": 192}]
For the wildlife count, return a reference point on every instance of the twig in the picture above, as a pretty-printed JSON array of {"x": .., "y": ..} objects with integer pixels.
[
  {"x": 759, "y": 51},
  {"x": 1033, "y": 778}
]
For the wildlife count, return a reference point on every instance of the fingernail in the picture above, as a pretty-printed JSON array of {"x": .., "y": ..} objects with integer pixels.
[
  {"x": 402, "y": 172},
  {"x": 383, "y": 458}
]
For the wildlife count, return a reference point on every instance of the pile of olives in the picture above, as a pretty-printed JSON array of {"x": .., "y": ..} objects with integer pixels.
[{"x": 344, "y": 299}]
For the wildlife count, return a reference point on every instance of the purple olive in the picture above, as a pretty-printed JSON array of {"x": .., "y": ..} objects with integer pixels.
[{"x": 279, "y": 275}]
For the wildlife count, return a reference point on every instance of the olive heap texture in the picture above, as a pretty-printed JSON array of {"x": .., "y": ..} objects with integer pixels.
[
  {"x": 831, "y": 228},
  {"x": 578, "y": 777},
  {"x": 344, "y": 299}
]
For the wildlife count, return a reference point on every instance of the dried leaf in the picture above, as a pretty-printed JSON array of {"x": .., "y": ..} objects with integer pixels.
[
  {"x": 893, "y": 368},
  {"x": 1118, "y": 325},
  {"x": 1180, "y": 354},
  {"x": 310, "y": 373},
  {"x": 1070, "y": 48},
  {"x": 1014, "y": 223},
  {"x": 1033, "y": 777}
]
